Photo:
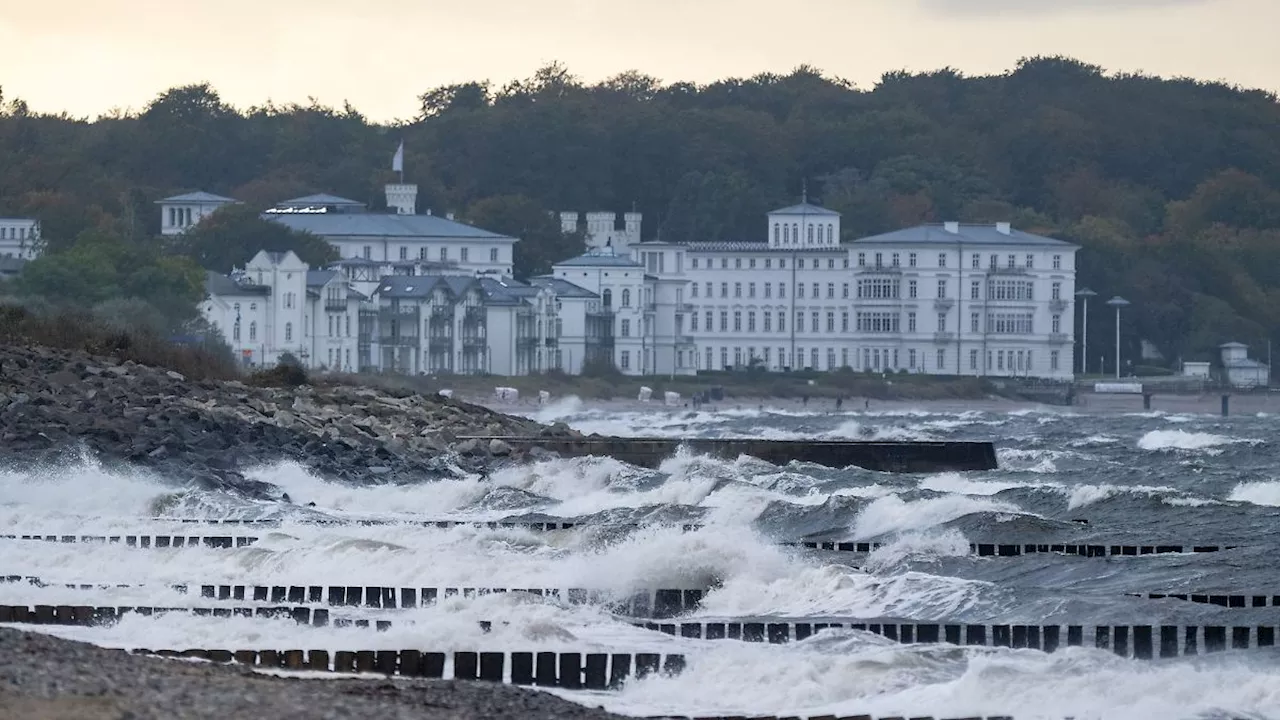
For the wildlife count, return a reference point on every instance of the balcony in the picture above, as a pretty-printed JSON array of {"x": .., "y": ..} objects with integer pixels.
[
  {"x": 944, "y": 337},
  {"x": 1059, "y": 338},
  {"x": 880, "y": 269},
  {"x": 650, "y": 307},
  {"x": 552, "y": 342},
  {"x": 332, "y": 304},
  {"x": 684, "y": 339},
  {"x": 605, "y": 313},
  {"x": 943, "y": 303},
  {"x": 440, "y": 343},
  {"x": 398, "y": 340},
  {"x": 474, "y": 315},
  {"x": 1058, "y": 305},
  {"x": 526, "y": 341},
  {"x": 685, "y": 307},
  {"x": 473, "y": 342},
  {"x": 1007, "y": 270}
]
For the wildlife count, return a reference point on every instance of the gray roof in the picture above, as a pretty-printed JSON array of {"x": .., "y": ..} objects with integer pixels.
[
  {"x": 599, "y": 258},
  {"x": 320, "y": 199},
  {"x": 761, "y": 247},
  {"x": 804, "y": 208},
  {"x": 421, "y": 286},
  {"x": 319, "y": 278},
  {"x": 338, "y": 225},
  {"x": 1233, "y": 344},
  {"x": 505, "y": 291},
  {"x": 219, "y": 284},
  {"x": 199, "y": 196},
  {"x": 562, "y": 288},
  {"x": 970, "y": 233}
]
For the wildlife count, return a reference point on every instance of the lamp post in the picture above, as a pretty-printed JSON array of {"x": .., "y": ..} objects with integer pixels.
[
  {"x": 1084, "y": 294},
  {"x": 1117, "y": 302}
]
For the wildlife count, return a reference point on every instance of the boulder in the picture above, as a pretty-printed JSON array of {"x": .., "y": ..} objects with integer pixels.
[{"x": 499, "y": 447}]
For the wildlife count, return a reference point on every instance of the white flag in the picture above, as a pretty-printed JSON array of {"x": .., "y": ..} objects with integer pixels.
[{"x": 397, "y": 161}]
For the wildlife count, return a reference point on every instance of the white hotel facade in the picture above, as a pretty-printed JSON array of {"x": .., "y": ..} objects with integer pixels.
[{"x": 947, "y": 299}]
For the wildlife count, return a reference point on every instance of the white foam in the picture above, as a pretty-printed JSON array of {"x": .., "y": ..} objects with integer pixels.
[
  {"x": 1184, "y": 440},
  {"x": 1262, "y": 492},
  {"x": 954, "y": 482},
  {"x": 891, "y": 514}
]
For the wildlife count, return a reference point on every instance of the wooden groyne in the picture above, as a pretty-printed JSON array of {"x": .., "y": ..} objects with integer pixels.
[{"x": 895, "y": 457}]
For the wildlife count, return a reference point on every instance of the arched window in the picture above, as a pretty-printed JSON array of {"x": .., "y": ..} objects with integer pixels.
[
  {"x": 235, "y": 331},
  {"x": 775, "y": 233},
  {"x": 810, "y": 234},
  {"x": 786, "y": 233},
  {"x": 608, "y": 298},
  {"x": 288, "y": 332},
  {"x": 253, "y": 307},
  {"x": 795, "y": 233},
  {"x": 831, "y": 234},
  {"x": 253, "y": 331},
  {"x": 626, "y": 298}
]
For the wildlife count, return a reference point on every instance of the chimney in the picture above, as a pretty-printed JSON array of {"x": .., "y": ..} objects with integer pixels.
[
  {"x": 1002, "y": 228},
  {"x": 402, "y": 198},
  {"x": 448, "y": 216},
  {"x": 952, "y": 227}
]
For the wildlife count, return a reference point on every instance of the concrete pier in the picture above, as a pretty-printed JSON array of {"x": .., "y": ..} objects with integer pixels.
[{"x": 896, "y": 457}]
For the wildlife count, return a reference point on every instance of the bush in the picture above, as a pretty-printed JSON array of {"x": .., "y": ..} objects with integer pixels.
[
  {"x": 287, "y": 373},
  {"x": 34, "y": 324}
]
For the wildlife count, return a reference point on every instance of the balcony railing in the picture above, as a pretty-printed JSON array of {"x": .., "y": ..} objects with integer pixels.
[
  {"x": 1059, "y": 338},
  {"x": 944, "y": 303},
  {"x": 552, "y": 342},
  {"x": 399, "y": 340},
  {"x": 650, "y": 307},
  {"x": 526, "y": 341},
  {"x": 335, "y": 304},
  {"x": 1006, "y": 270},
  {"x": 1058, "y": 305},
  {"x": 400, "y": 310},
  {"x": 440, "y": 343},
  {"x": 868, "y": 269},
  {"x": 474, "y": 315},
  {"x": 684, "y": 339},
  {"x": 943, "y": 337},
  {"x": 471, "y": 342}
]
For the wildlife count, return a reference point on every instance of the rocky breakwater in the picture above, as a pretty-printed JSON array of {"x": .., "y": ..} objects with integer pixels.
[{"x": 57, "y": 405}]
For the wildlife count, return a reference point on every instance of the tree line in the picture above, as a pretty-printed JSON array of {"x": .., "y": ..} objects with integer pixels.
[{"x": 1172, "y": 186}]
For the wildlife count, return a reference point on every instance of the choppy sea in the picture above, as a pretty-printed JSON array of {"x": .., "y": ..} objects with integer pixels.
[{"x": 1143, "y": 478}]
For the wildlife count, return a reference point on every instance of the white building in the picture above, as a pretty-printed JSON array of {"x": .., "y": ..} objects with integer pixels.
[
  {"x": 1240, "y": 370},
  {"x": 601, "y": 229},
  {"x": 398, "y": 236},
  {"x": 942, "y": 299},
  {"x": 20, "y": 238},
  {"x": 182, "y": 212}
]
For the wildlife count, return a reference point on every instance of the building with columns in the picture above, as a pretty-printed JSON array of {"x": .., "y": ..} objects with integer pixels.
[{"x": 20, "y": 238}]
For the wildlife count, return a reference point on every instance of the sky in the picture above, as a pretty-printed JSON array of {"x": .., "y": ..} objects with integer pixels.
[{"x": 87, "y": 57}]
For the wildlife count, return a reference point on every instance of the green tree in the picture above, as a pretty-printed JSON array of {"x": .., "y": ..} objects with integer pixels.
[
  {"x": 235, "y": 233},
  {"x": 541, "y": 240}
]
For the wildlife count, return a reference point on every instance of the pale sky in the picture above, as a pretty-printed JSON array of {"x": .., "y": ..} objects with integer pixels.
[{"x": 87, "y": 56}]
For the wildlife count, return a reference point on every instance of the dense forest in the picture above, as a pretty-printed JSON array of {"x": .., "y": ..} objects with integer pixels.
[{"x": 1172, "y": 187}]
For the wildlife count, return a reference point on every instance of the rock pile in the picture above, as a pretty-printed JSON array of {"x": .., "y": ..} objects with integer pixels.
[{"x": 54, "y": 402}]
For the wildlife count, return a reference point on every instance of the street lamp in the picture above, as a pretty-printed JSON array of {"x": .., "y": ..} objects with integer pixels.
[
  {"x": 1085, "y": 294},
  {"x": 1117, "y": 302}
]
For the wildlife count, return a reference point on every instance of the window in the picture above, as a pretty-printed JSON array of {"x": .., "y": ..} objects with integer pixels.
[
  {"x": 831, "y": 291},
  {"x": 782, "y": 322},
  {"x": 737, "y": 263},
  {"x": 976, "y": 262},
  {"x": 709, "y": 293},
  {"x": 737, "y": 321},
  {"x": 1011, "y": 290},
  {"x": 737, "y": 357},
  {"x": 844, "y": 291},
  {"x": 1057, "y": 291},
  {"x": 844, "y": 357},
  {"x": 464, "y": 252},
  {"x": 911, "y": 358},
  {"x": 862, "y": 259},
  {"x": 626, "y": 298},
  {"x": 878, "y": 322},
  {"x": 768, "y": 263},
  {"x": 844, "y": 322},
  {"x": 1057, "y": 262},
  {"x": 831, "y": 233},
  {"x": 724, "y": 357},
  {"x": 368, "y": 252},
  {"x": 786, "y": 234},
  {"x": 800, "y": 264},
  {"x": 1053, "y": 360},
  {"x": 751, "y": 321},
  {"x": 608, "y": 298},
  {"x": 1031, "y": 260},
  {"x": 831, "y": 321},
  {"x": 444, "y": 254},
  {"x": 942, "y": 288},
  {"x": 694, "y": 261},
  {"x": 942, "y": 260},
  {"x": 776, "y": 235},
  {"x": 831, "y": 263},
  {"x": 911, "y": 259},
  {"x": 911, "y": 323},
  {"x": 845, "y": 263},
  {"x": 942, "y": 322},
  {"x": 879, "y": 259},
  {"x": 813, "y": 358},
  {"x": 912, "y": 289},
  {"x": 626, "y": 328},
  {"x": 1013, "y": 260},
  {"x": 768, "y": 322},
  {"x": 816, "y": 292},
  {"x": 799, "y": 322},
  {"x": 330, "y": 326},
  {"x": 724, "y": 289},
  {"x": 809, "y": 234},
  {"x": 710, "y": 363},
  {"x": 800, "y": 290},
  {"x": 626, "y": 360},
  {"x": 288, "y": 332},
  {"x": 724, "y": 321},
  {"x": 724, "y": 263},
  {"x": 942, "y": 358},
  {"x": 878, "y": 289},
  {"x": 1057, "y": 324},
  {"x": 975, "y": 290},
  {"x": 767, "y": 288},
  {"x": 782, "y": 290},
  {"x": 814, "y": 322},
  {"x": 693, "y": 322},
  {"x": 693, "y": 287},
  {"x": 782, "y": 264},
  {"x": 710, "y": 324},
  {"x": 995, "y": 261},
  {"x": 896, "y": 259},
  {"x": 974, "y": 320},
  {"x": 235, "y": 331},
  {"x": 404, "y": 253},
  {"x": 348, "y": 325},
  {"x": 1010, "y": 323},
  {"x": 831, "y": 358},
  {"x": 493, "y": 255},
  {"x": 751, "y": 263},
  {"x": 737, "y": 289}
]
